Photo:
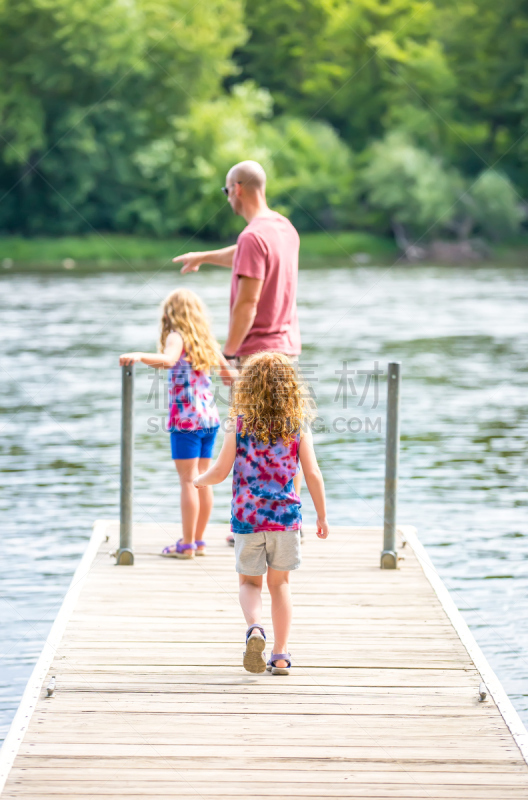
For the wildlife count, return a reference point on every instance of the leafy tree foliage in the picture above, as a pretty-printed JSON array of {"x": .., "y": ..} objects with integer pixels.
[
  {"x": 124, "y": 115},
  {"x": 84, "y": 84},
  {"x": 411, "y": 186},
  {"x": 311, "y": 173},
  {"x": 309, "y": 168},
  {"x": 495, "y": 205},
  {"x": 362, "y": 65},
  {"x": 419, "y": 195}
]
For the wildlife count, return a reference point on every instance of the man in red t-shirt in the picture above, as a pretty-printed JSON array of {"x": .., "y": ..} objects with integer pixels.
[{"x": 264, "y": 264}]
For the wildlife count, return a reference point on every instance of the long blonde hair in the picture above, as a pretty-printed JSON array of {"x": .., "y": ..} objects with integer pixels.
[
  {"x": 271, "y": 398},
  {"x": 183, "y": 311}
]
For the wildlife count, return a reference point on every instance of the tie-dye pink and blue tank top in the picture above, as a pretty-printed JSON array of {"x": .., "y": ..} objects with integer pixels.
[
  {"x": 264, "y": 497},
  {"x": 191, "y": 401}
]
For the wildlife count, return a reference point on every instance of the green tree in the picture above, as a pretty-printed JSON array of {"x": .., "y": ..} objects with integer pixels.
[
  {"x": 311, "y": 173},
  {"x": 415, "y": 191},
  {"x": 487, "y": 49},
  {"x": 495, "y": 205},
  {"x": 114, "y": 113},
  {"x": 84, "y": 84},
  {"x": 309, "y": 168},
  {"x": 353, "y": 64},
  {"x": 453, "y": 76}
]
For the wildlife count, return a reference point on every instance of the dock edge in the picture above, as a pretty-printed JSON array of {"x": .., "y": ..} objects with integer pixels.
[
  {"x": 33, "y": 688},
  {"x": 504, "y": 704}
]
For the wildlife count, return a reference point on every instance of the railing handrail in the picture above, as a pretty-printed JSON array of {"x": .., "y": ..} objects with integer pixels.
[
  {"x": 389, "y": 555},
  {"x": 125, "y": 554}
]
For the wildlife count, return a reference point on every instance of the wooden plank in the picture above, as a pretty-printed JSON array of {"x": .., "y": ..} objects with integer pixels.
[
  {"x": 382, "y": 701},
  {"x": 414, "y": 748},
  {"x": 133, "y": 766},
  {"x": 294, "y": 775},
  {"x": 236, "y": 705},
  {"x": 178, "y": 787}
]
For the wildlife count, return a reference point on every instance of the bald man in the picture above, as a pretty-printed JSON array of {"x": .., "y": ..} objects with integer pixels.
[{"x": 264, "y": 263}]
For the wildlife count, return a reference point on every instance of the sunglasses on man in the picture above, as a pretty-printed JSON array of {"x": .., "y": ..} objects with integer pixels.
[{"x": 226, "y": 189}]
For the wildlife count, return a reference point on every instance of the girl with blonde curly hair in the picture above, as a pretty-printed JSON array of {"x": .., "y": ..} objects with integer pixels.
[
  {"x": 188, "y": 349},
  {"x": 268, "y": 437}
]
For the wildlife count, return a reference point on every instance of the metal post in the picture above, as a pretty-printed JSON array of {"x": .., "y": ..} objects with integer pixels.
[
  {"x": 389, "y": 556},
  {"x": 125, "y": 554}
]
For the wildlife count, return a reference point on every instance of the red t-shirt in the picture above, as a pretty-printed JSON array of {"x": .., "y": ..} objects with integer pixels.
[{"x": 268, "y": 249}]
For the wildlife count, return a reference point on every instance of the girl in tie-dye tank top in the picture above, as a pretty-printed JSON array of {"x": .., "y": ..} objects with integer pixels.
[
  {"x": 264, "y": 497},
  {"x": 266, "y": 445},
  {"x": 188, "y": 350}
]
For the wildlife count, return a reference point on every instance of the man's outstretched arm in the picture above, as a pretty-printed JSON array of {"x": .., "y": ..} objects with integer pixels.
[{"x": 193, "y": 261}]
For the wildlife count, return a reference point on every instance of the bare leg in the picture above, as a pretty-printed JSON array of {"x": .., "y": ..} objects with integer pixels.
[
  {"x": 250, "y": 595},
  {"x": 281, "y": 610},
  {"x": 205, "y": 497},
  {"x": 251, "y": 602},
  {"x": 190, "y": 502}
]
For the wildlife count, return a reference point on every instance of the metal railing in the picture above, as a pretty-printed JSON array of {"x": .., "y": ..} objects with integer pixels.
[
  {"x": 389, "y": 555},
  {"x": 125, "y": 554}
]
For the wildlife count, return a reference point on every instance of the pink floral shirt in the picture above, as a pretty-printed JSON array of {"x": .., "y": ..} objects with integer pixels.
[{"x": 191, "y": 401}]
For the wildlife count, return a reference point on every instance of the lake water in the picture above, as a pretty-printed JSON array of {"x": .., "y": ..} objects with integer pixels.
[{"x": 462, "y": 337}]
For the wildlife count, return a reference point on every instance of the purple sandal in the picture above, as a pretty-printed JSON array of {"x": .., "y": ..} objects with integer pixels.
[
  {"x": 254, "y": 656},
  {"x": 279, "y": 670},
  {"x": 179, "y": 550},
  {"x": 200, "y": 543}
]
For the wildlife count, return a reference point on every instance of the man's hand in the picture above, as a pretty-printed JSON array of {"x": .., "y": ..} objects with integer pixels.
[
  {"x": 322, "y": 528},
  {"x": 129, "y": 358},
  {"x": 191, "y": 262}
]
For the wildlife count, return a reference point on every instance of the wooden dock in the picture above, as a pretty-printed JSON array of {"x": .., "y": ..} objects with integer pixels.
[{"x": 151, "y": 699}]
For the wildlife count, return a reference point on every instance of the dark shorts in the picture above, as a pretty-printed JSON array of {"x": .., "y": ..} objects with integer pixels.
[{"x": 193, "y": 444}]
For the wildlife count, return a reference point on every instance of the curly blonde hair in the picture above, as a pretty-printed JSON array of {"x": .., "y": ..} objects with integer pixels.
[
  {"x": 184, "y": 312},
  {"x": 271, "y": 398}
]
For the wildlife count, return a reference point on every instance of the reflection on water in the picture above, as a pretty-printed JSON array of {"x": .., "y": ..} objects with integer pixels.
[{"x": 462, "y": 335}]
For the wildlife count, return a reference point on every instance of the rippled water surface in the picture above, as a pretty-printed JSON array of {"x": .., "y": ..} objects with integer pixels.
[{"x": 462, "y": 336}]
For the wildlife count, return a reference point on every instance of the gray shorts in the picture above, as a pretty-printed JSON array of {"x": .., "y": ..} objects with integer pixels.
[{"x": 280, "y": 550}]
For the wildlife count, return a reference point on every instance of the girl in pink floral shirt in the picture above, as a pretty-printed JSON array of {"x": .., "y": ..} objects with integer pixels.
[{"x": 189, "y": 351}]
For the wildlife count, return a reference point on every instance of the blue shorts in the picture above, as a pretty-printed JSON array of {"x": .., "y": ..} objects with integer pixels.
[{"x": 193, "y": 444}]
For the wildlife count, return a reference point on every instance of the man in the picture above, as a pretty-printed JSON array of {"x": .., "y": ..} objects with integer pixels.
[{"x": 264, "y": 262}]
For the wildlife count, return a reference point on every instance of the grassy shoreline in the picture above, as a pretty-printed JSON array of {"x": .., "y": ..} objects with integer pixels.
[{"x": 110, "y": 251}]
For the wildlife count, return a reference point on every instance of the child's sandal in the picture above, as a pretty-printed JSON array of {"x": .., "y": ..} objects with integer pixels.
[
  {"x": 279, "y": 670},
  {"x": 254, "y": 656},
  {"x": 200, "y": 544},
  {"x": 179, "y": 550}
]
